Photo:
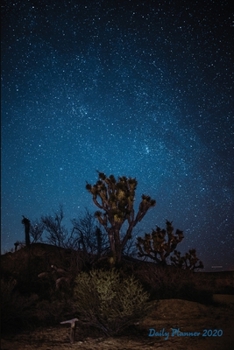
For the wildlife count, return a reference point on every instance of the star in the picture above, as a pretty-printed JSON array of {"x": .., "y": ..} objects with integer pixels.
[{"x": 140, "y": 90}]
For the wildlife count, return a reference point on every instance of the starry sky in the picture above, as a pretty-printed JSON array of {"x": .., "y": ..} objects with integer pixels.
[{"x": 135, "y": 88}]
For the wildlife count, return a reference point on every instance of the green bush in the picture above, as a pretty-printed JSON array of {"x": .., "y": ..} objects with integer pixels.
[{"x": 108, "y": 301}]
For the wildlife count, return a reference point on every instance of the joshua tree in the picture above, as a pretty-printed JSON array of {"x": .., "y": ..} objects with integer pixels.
[
  {"x": 116, "y": 199},
  {"x": 26, "y": 223},
  {"x": 160, "y": 243},
  {"x": 189, "y": 261}
]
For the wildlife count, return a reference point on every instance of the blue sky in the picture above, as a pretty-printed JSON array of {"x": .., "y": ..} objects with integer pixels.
[{"x": 142, "y": 89}]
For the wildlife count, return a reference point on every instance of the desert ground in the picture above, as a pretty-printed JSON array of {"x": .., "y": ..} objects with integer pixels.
[
  {"x": 183, "y": 320},
  {"x": 211, "y": 327}
]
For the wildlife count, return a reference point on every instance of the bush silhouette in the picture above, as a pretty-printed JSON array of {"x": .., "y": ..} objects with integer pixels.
[
  {"x": 15, "y": 308},
  {"x": 170, "y": 282},
  {"x": 108, "y": 301}
]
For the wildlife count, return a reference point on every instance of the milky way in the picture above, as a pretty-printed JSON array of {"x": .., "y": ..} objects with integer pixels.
[{"x": 142, "y": 89}]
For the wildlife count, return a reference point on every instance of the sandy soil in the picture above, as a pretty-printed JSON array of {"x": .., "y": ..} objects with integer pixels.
[{"x": 168, "y": 317}]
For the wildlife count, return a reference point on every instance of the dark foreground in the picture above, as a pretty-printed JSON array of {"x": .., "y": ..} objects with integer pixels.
[{"x": 209, "y": 328}]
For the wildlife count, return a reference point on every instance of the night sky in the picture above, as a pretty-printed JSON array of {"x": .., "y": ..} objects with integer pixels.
[{"x": 135, "y": 88}]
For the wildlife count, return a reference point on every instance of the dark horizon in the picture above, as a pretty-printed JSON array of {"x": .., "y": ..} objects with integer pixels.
[{"x": 215, "y": 268}]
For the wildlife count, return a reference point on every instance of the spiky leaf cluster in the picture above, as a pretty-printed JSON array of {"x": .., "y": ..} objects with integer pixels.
[
  {"x": 189, "y": 261},
  {"x": 115, "y": 199},
  {"x": 108, "y": 301},
  {"x": 160, "y": 243}
]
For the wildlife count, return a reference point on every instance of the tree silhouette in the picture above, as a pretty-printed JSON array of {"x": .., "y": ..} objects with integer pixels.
[
  {"x": 116, "y": 199},
  {"x": 58, "y": 234},
  {"x": 26, "y": 223},
  {"x": 36, "y": 230},
  {"x": 189, "y": 261},
  {"x": 160, "y": 243},
  {"x": 86, "y": 235}
]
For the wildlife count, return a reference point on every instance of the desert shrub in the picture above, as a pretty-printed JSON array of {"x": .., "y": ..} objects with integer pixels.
[
  {"x": 201, "y": 295},
  {"x": 108, "y": 301},
  {"x": 163, "y": 282},
  {"x": 16, "y": 310},
  {"x": 166, "y": 282},
  {"x": 52, "y": 312}
]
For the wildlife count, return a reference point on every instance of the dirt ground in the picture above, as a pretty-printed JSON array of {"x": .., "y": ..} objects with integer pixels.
[{"x": 176, "y": 324}]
